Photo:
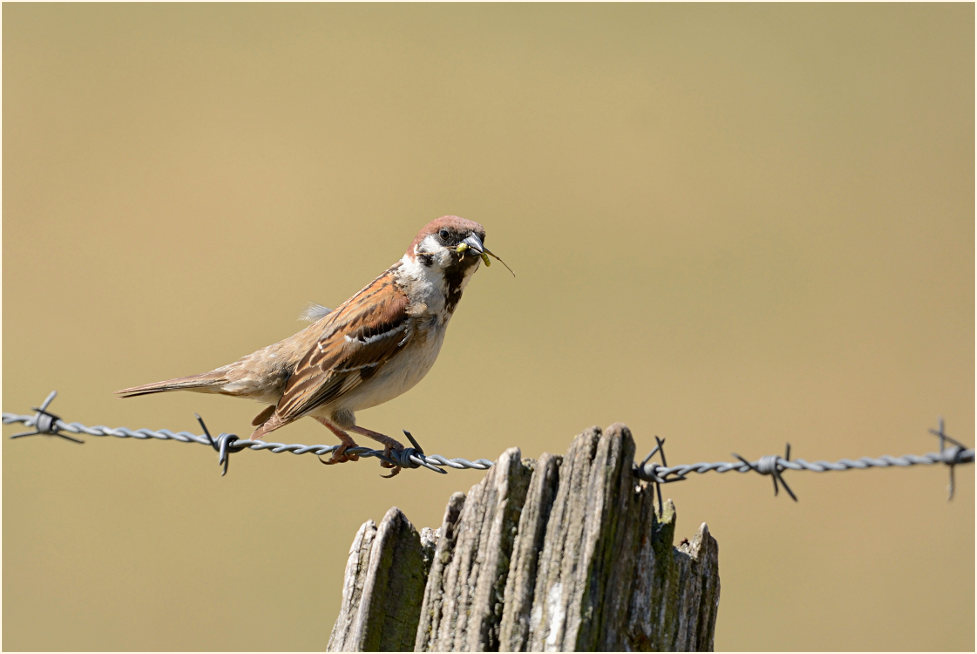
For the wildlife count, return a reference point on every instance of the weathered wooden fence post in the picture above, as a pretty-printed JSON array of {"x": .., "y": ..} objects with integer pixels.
[{"x": 564, "y": 553}]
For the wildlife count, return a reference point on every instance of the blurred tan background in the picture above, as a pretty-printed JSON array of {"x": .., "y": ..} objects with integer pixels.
[{"x": 732, "y": 226}]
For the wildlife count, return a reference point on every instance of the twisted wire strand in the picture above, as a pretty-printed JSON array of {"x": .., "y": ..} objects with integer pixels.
[
  {"x": 666, "y": 474},
  {"x": 43, "y": 422},
  {"x": 774, "y": 465}
]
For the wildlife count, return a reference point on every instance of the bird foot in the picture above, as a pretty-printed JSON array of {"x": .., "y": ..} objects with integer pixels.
[
  {"x": 389, "y": 445},
  {"x": 340, "y": 455}
]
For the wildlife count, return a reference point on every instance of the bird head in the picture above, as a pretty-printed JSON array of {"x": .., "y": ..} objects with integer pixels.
[{"x": 452, "y": 243}]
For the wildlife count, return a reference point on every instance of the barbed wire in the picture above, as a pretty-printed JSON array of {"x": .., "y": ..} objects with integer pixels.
[
  {"x": 774, "y": 465},
  {"x": 45, "y": 423},
  {"x": 952, "y": 452}
]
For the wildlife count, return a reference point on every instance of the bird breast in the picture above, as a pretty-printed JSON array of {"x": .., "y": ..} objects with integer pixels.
[{"x": 401, "y": 372}]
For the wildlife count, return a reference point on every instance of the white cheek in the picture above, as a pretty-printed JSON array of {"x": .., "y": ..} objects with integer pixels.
[{"x": 429, "y": 245}]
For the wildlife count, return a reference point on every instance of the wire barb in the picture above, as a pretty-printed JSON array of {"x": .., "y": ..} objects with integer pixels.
[
  {"x": 412, "y": 457},
  {"x": 649, "y": 471},
  {"x": 771, "y": 465},
  {"x": 951, "y": 455},
  {"x": 224, "y": 445},
  {"x": 45, "y": 423}
]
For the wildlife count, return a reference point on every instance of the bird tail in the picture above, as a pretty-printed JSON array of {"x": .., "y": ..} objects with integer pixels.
[{"x": 208, "y": 382}]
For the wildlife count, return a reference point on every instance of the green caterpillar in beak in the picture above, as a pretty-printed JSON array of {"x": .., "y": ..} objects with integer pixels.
[{"x": 463, "y": 247}]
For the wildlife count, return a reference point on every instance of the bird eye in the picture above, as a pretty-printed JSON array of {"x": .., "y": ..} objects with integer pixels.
[{"x": 444, "y": 235}]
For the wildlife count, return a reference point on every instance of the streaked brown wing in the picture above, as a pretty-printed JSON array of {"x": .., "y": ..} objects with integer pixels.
[{"x": 357, "y": 338}]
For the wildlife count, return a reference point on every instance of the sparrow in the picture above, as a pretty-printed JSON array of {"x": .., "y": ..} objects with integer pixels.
[{"x": 374, "y": 346}]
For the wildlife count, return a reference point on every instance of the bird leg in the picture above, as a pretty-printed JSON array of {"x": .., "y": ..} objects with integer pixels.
[
  {"x": 389, "y": 444},
  {"x": 339, "y": 456}
]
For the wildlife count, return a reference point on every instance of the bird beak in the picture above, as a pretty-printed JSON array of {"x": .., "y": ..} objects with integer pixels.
[{"x": 473, "y": 242}]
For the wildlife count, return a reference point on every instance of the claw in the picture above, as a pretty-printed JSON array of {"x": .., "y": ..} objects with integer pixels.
[
  {"x": 340, "y": 456},
  {"x": 386, "y": 464}
]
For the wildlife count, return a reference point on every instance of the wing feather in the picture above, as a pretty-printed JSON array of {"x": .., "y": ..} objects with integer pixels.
[{"x": 357, "y": 338}]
